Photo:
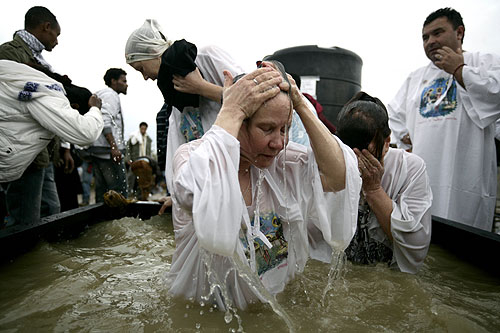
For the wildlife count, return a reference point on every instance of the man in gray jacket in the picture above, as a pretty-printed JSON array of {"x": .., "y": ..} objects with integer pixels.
[{"x": 109, "y": 149}]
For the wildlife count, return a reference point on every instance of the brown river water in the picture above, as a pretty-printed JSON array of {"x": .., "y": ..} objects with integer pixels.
[{"x": 110, "y": 279}]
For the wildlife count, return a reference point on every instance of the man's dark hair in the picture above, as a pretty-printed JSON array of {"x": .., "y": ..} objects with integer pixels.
[
  {"x": 77, "y": 96},
  {"x": 38, "y": 15},
  {"x": 113, "y": 73},
  {"x": 143, "y": 123},
  {"x": 363, "y": 119},
  {"x": 451, "y": 14}
]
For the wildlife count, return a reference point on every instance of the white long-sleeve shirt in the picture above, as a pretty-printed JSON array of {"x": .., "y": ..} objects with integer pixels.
[
  {"x": 34, "y": 108},
  {"x": 406, "y": 182},
  {"x": 209, "y": 213},
  {"x": 453, "y": 130},
  {"x": 211, "y": 61},
  {"x": 112, "y": 116}
]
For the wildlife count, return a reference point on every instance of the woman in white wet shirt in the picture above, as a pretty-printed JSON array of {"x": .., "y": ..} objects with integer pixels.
[
  {"x": 239, "y": 196},
  {"x": 394, "y": 217}
]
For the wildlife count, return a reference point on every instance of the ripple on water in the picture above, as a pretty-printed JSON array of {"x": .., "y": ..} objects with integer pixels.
[{"x": 111, "y": 279}]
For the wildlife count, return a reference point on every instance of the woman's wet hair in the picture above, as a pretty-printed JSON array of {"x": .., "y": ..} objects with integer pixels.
[
  {"x": 364, "y": 119},
  {"x": 279, "y": 66}
]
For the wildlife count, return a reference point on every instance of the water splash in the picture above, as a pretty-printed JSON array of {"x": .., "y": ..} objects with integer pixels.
[
  {"x": 336, "y": 272},
  {"x": 254, "y": 282},
  {"x": 218, "y": 288},
  {"x": 285, "y": 195}
]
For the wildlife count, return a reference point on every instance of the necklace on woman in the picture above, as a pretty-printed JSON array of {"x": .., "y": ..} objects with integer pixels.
[
  {"x": 244, "y": 193},
  {"x": 248, "y": 187}
]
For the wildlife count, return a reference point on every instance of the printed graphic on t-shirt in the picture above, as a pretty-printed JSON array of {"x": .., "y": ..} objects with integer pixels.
[
  {"x": 268, "y": 258},
  {"x": 432, "y": 101}
]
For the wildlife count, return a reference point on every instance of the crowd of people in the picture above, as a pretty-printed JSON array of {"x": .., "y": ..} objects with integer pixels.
[{"x": 254, "y": 171}]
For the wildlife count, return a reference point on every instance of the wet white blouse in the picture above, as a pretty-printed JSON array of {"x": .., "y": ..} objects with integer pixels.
[
  {"x": 406, "y": 182},
  {"x": 210, "y": 215}
]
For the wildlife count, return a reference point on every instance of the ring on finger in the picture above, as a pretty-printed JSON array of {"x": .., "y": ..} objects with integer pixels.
[{"x": 256, "y": 82}]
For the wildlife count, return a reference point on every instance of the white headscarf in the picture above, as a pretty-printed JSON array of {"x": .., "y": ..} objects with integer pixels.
[{"x": 147, "y": 42}]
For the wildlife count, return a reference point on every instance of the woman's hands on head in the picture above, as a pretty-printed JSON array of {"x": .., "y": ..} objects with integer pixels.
[
  {"x": 243, "y": 98},
  {"x": 248, "y": 94},
  {"x": 295, "y": 93}
]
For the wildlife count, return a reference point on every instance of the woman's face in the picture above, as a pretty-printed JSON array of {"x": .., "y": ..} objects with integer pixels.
[
  {"x": 148, "y": 68},
  {"x": 385, "y": 149},
  {"x": 262, "y": 136}
]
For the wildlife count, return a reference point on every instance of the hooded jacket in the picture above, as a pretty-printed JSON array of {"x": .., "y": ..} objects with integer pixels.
[{"x": 34, "y": 108}]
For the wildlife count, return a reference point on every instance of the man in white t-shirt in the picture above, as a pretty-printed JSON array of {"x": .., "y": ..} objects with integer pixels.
[
  {"x": 109, "y": 149},
  {"x": 449, "y": 108}
]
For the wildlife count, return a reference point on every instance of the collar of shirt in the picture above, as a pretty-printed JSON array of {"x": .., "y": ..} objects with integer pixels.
[{"x": 35, "y": 46}]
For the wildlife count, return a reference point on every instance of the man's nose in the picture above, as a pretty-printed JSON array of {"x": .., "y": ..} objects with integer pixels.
[{"x": 431, "y": 40}]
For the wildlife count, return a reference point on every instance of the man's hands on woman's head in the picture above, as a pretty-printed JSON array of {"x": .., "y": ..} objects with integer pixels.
[{"x": 248, "y": 94}]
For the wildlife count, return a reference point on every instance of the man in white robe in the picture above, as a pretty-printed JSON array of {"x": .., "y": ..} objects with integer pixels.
[{"x": 449, "y": 108}]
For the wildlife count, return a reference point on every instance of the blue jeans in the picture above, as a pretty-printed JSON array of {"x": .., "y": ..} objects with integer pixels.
[
  {"x": 109, "y": 176},
  {"x": 86, "y": 180},
  {"x": 50, "y": 198},
  {"x": 23, "y": 197}
]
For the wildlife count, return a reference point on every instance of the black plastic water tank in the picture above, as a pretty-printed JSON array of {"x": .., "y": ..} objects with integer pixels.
[{"x": 338, "y": 71}]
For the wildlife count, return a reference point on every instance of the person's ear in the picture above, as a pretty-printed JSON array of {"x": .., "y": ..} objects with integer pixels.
[
  {"x": 46, "y": 26},
  {"x": 387, "y": 142},
  {"x": 460, "y": 33}
]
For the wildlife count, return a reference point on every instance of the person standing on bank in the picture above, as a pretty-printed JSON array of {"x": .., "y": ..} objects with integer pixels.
[
  {"x": 108, "y": 151},
  {"x": 448, "y": 109},
  {"x": 34, "y": 109},
  {"x": 138, "y": 145},
  {"x": 41, "y": 30}
]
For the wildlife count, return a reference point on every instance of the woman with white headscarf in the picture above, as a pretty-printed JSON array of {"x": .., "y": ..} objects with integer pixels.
[{"x": 190, "y": 80}]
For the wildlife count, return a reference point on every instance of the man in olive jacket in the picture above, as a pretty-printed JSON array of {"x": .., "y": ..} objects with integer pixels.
[{"x": 40, "y": 32}]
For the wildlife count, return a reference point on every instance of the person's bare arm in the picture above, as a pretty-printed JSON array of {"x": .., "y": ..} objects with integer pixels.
[
  {"x": 327, "y": 151},
  {"x": 194, "y": 83}
]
